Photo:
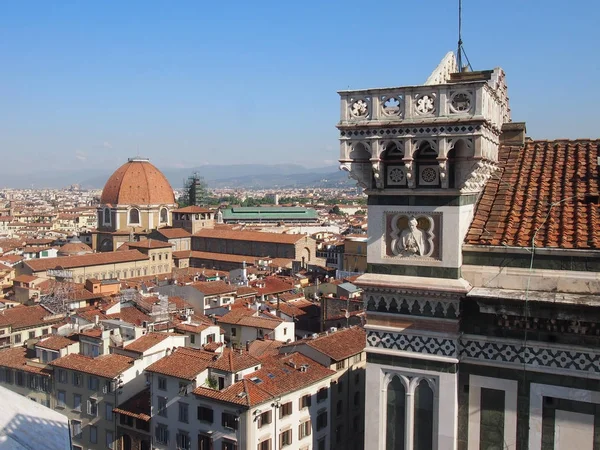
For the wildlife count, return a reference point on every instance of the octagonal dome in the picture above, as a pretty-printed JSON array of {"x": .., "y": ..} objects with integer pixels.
[{"x": 137, "y": 182}]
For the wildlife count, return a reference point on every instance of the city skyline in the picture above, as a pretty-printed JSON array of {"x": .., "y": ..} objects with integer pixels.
[{"x": 86, "y": 86}]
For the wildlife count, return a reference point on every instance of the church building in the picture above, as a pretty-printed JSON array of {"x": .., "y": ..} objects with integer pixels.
[
  {"x": 136, "y": 199},
  {"x": 483, "y": 272}
]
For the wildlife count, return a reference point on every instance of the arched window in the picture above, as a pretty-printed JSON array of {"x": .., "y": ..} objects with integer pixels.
[
  {"x": 395, "y": 173},
  {"x": 396, "y": 404},
  {"x": 428, "y": 172},
  {"x": 106, "y": 216},
  {"x": 134, "y": 216},
  {"x": 164, "y": 215},
  {"x": 423, "y": 419},
  {"x": 459, "y": 163}
]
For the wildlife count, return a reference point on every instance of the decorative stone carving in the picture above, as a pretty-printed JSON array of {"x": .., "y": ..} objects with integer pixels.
[
  {"x": 376, "y": 165},
  {"x": 400, "y": 303},
  {"x": 412, "y": 343},
  {"x": 396, "y": 176},
  {"x": 354, "y": 175},
  {"x": 409, "y": 174},
  {"x": 412, "y": 237},
  {"x": 391, "y": 106},
  {"x": 359, "y": 109},
  {"x": 460, "y": 102},
  {"x": 425, "y": 104},
  {"x": 481, "y": 173}
]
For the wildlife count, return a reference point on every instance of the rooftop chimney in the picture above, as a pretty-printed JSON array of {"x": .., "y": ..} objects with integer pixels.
[{"x": 513, "y": 133}]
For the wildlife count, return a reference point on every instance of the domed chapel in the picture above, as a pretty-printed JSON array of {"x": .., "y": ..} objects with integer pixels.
[{"x": 136, "y": 199}]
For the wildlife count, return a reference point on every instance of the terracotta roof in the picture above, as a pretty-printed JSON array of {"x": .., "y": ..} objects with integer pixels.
[
  {"x": 95, "y": 259},
  {"x": 244, "y": 291},
  {"x": 338, "y": 345},
  {"x": 272, "y": 285},
  {"x": 213, "y": 287},
  {"x": 548, "y": 187},
  {"x": 264, "y": 348},
  {"x": 173, "y": 233},
  {"x": 191, "y": 327},
  {"x": 74, "y": 248},
  {"x": 184, "y": 363},
  {"x": 55, "y": 342},
  {"x": 279, "y": 375},
  {"x": 131, "y": 315},
  {"x": 26, "y": 316},
  {"x": 137, "y": 406},
  {"x": 137, "y": 182},
  {"x": 225, "y": 257},
  {"x": 146, "y": 342},
  {"x": 16, "y": 358},
  {"x": 234, "y": 360},
  {"x": 192, "y": 210},
  {"x": 107, "y": 366},
  {"x": 255, "y": 236},
  {"x": 149, "y": 244},
  {"x": 25, "y": 278},
  {"x": 246, "y": 318}
]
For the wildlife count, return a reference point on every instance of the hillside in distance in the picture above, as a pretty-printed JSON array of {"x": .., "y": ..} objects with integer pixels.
[{"x": 249, "y": 176}]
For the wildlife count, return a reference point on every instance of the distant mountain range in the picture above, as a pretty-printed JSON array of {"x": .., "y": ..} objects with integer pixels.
[{"x": 249, "y": 176}]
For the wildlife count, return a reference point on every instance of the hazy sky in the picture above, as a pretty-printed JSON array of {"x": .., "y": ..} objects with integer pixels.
[{"x": 90, "y": 83}]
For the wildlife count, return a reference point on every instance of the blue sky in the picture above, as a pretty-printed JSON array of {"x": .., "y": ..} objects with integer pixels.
[{"x": 87, "y": 84}]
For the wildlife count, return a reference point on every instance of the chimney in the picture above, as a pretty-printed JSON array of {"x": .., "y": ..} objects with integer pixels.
[
  {"x": 247, "y": 346},
  {"x": 513, "y": 133},
  {"x": 96, "y": 320}
]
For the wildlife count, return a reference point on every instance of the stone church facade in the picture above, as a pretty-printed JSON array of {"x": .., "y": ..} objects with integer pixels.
[{"x": 483, "y": 281}]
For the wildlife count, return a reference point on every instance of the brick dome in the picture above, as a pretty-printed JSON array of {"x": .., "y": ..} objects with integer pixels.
[{"x": 137, "y": 182}]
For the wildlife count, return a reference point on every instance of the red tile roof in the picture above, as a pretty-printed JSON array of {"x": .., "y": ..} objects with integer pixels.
[
  {"x": 27, "y": 316},
  {"x": 264, "y": 348},
  {"x": 249, "y": 318},
  {"x": 16, "y": 358},
  {"x": 131, "y": 315},
  {"x": 107, "y": 366},
  {"x": 95, "y": 259},
  {"x": 55, "y": 342},
  {"x": 146, "y": 342},
  {"x": 225, "y": 257},
  {"x": 339, "y": 345},
  {"x": 149, "y": 244},
  {"x": 192, "y": 210},
  {"x": 254, "y": 236},
  {"x": 173, "y": 233},
  {"x": 548, "y": 187},
  {"x": 184, "y": 363},
  {"x": 279, "y": 375},
  {"x": 231, "y": 360},
  {"x": 214, "y": 287}
]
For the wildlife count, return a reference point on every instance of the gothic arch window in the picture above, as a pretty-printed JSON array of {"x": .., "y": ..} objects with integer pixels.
[
  {"x": 393, "y": 166},
  {"x": 428, "y": 171},
  {"x": 164, "y": 215},
  {"x": 423, "y": 417},
  {"x": 458, "y": 162},
  {"x": 396, "y": 413},
  {"x": 106, "y": 216},
  {"x": 134, "y": 216},
  {"x": 360, "y": 152}
]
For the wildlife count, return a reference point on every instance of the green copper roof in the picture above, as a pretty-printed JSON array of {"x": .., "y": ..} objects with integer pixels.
[{"x": 269, "y": 213}]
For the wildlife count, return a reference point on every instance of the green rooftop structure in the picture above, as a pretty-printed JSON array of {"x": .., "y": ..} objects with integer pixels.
[{"x": 269, "y": 214}]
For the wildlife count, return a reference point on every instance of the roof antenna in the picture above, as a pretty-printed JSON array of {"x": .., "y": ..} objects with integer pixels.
[{"x": 460, "y": 49}]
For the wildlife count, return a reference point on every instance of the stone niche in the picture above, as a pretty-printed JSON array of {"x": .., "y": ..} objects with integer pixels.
[{"x": 412, "y": 236}]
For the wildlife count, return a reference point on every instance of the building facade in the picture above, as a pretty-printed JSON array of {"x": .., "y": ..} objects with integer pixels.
[{"x": 474, "y": 288}]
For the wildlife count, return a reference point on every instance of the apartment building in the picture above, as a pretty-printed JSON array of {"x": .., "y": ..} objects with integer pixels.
[
  {"x": 244, "y": 325},
  {"x": 233, "y": 401},
  {"x": 342, "y": 351},
  {"x": 21, "y": 323}
]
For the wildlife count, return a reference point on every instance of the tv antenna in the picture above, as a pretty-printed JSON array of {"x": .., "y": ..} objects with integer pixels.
[{"x": 460, "y": 50}]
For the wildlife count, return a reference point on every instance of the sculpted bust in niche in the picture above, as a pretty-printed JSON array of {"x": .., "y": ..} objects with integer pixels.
[{"x": 412, "y": 236}]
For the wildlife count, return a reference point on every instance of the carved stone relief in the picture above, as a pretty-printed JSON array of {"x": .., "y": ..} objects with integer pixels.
[
  {"x": 425, "y": 104},
  {"x": 412, "y": 235}
]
